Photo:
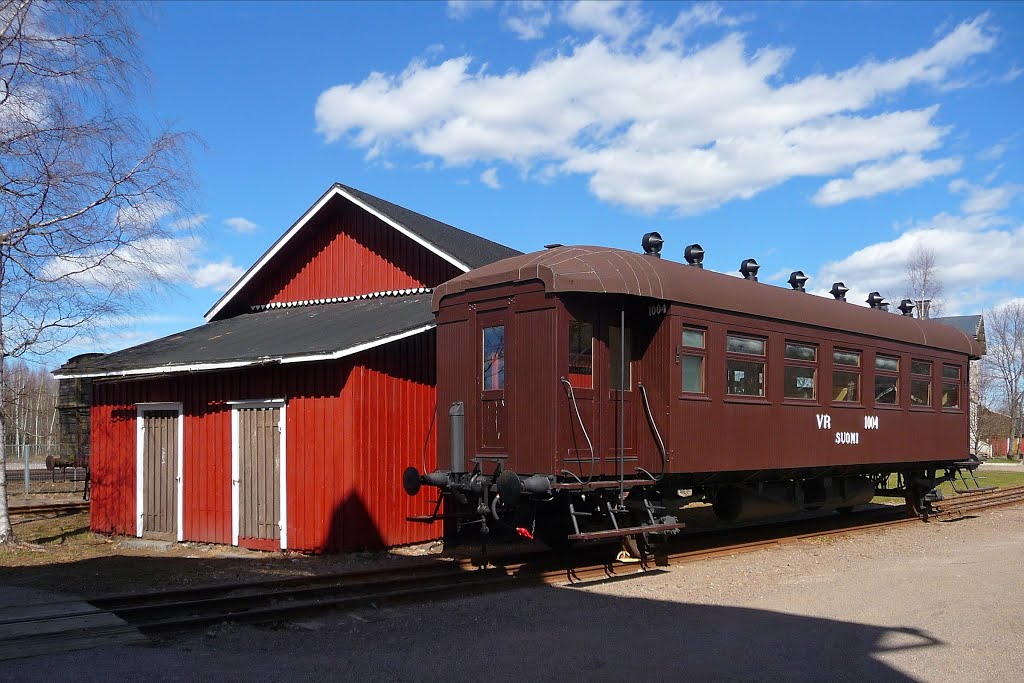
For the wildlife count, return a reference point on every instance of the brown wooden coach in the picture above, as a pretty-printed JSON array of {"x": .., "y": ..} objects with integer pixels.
[{"x": 754, "y": 397}]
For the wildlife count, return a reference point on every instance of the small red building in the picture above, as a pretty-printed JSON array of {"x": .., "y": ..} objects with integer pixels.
[{"x": 285, "y": 421}]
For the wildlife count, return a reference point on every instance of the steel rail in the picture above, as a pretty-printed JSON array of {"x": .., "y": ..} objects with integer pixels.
[
  {"x": 280, "y": 599},
  {"x": 48, "y": 507}
]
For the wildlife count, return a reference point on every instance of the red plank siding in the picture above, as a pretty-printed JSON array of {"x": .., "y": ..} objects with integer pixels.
[
  {"x": 352, "y": 427},
  {"x": 343, "y": 251}
]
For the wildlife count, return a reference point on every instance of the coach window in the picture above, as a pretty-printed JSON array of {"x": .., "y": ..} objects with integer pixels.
[
  {"x": 494, "y": 358},
  {"x": 744, "y": 366},
  {"x": 887, "y": 380},
  {"x": 950, "y": 386},
  {"x": 846, "y": 376},
  {"x": 801, "y": 371},
  {"x": 615, "y": 358},
  {"x": 693, "y": 360},
  {"x": 921, "y": 383},
  {"x": 581, "y": 354}
]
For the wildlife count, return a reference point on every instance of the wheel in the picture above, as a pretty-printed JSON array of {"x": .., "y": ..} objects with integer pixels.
[
  {"x": 845, "y": 510},
  {"x": 554, "y": 526}
]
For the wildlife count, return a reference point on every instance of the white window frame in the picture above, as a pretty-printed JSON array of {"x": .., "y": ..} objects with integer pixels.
[
  {"x": 236, "y": 466},
  {"x": 140, "y": 442}
]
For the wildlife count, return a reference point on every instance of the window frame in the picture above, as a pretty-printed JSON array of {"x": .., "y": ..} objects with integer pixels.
[
  {"x": 613, "y": 387},
  {"x": 593, "y": 355},
  {"x": 739, "y": 356},
  {"x": 788, "y": 362},
  {"x": 484, "y": 325},
  {"x": 958, "y": 383},
  {"x": 856, "y": 370},
  {"x": 892, "y": 374},
  {"x": 684, "y": 352},
  {"x": 920, "y": 377}
]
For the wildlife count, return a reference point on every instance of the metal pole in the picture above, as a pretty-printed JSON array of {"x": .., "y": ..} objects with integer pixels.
[
  {"x": 24, "y": 454},
  {"x": 622, "y": 398}
]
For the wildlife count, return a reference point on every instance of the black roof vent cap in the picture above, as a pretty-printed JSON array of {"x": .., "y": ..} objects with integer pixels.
[
  {"x": 875, "y": 300},
  {"x": 652, "y": 244},
  {"x": 694, "y": 255},
  {"x": 797, "y": 279},
  {"x": 907, "y": 307},
  {"x": 839, "y": 291},
  {"x": 553, "y": 245},
  {"x": 749, "y": 269}
]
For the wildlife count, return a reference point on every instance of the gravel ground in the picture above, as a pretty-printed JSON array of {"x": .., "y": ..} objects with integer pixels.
[{"x": 928, "y": 602}]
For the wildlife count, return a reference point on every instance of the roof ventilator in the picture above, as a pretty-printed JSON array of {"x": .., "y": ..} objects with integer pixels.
[
  {"x": 553, "y": 245},
  {"x": 652, "y": 244},
  {"x": 749, "y": 269},
  {"x": 797, "y": 279},
  {"x": 875, "y": 300},
  {"x": 839, "y": 291},
  {"x": 907, "y": 308},
  {"x": 694, "y": 255}
]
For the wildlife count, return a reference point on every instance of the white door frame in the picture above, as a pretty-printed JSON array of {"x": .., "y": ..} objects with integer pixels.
[
  {"x": 140, "y": 443},
  {"x": 236, "y": 467}
]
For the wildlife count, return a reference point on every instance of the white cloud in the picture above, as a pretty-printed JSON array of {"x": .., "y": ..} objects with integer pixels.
[
  {"x": 612, "y": 18},
  {"x": 490, "y": 178},
  {"x": 527, "y": 19},
  {"x": 144, "y": 215},
  {"x": 657, "y": 126},
  {"x": 985, "y": 200},
  {"x": 242, "y": 226},
  {"x": 219, "y": 276},
  {"x": 964, "y": 248},
  {"x": 461, "y": 9},
  {"x": 872, "y": 179},
  {"x": 131, "y": 267},
  {"x": 189, "y": 222}
]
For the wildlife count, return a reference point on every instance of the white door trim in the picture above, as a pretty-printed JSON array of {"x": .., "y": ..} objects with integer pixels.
[
  {"x": 236, "y": 467},
  {"x": 140, "y": 442}
]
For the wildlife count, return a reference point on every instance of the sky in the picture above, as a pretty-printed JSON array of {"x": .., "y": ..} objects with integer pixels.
[{"x": 833, "y": 138}]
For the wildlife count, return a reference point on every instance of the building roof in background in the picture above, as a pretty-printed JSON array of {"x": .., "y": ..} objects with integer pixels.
[
  {"x": 462, "y": 249},
  {"x": 289, "y": 334},
  {"x": 973, "y": 325}
]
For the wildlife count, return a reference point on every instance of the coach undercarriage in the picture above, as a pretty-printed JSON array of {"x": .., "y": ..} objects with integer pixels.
[{"x": 644, "y": 510}]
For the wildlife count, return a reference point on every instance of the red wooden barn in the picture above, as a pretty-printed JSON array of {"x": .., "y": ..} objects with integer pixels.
[{"x": 286, "y": 420}]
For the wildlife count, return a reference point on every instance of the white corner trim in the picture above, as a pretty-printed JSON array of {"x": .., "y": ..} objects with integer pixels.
[
  {"x": 171, "y": 369},
  {"x": 334, "y": 190},
  {"x": 357, "y": 349},
  {"x": 198, "y": 367},
  {"x": 236, "y": 467},
  {"x": 140, "y": 408}
]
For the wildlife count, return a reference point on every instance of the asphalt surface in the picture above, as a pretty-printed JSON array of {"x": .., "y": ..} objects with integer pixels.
[{"x": 927, "y": 602}]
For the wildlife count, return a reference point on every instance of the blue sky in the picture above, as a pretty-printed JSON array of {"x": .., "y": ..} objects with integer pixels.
[{"x": 828, "y": 137}]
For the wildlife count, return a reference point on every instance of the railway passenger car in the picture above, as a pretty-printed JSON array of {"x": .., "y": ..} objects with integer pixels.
[{"x": 593, "y": 392}]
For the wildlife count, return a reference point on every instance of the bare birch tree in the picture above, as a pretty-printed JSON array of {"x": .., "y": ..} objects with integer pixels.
[
  {"x": 1004, "y": 358},
  {"x": 923, "y": 284},
  {"x": 982, "y": 383},
  {"x": 84, "y": 182}
]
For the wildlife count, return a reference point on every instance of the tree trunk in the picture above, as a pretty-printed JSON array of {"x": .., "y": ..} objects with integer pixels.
[{"x": 6, "y": 530}]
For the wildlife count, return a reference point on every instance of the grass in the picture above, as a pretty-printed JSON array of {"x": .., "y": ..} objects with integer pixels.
[
  {"x": 1004, "y": 460},
  {"x": 986, "y": 477}
]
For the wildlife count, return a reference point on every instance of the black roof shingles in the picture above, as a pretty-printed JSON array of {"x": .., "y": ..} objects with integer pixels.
[
  {"x": 473, "y": 250},
  {"x": 277, "y": 333}
]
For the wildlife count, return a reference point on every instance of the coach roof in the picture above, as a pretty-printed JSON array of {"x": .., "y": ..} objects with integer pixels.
[{"x": 615, "y": 271}]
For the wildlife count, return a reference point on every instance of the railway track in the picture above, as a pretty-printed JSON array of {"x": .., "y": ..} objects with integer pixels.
[
  {"x": 283, "y": 599},
  {"x": 52, "y": 507}
]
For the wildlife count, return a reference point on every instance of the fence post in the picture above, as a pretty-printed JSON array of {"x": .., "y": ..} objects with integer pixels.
[{"x": 24, "y": 454}]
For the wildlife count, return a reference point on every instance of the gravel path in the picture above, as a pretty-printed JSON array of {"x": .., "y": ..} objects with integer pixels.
[{"x": 929, "y": 602}]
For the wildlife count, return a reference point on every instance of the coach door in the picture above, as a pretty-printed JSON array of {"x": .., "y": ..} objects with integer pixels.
[
  {"x": 158, "y": 493},
  {"x": 493, "y": 421},
  {"x": 258, "y": 482},
  {"x": 618, "y": 398}
]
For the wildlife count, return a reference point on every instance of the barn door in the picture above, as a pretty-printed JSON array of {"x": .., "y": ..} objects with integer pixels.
[
  {"x": 158, "y": 492},
  {"x": 258, "y": 475}
]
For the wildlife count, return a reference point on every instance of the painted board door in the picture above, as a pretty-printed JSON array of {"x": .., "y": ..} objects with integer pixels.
[
  {"x": 259, "y": 469},
  {"x": 160, "y": 473}
]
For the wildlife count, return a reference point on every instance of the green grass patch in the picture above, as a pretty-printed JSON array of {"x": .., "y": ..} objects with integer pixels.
[
  {"x": 986, "y": 477},
  {"x": 1003, "y": 460}
]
